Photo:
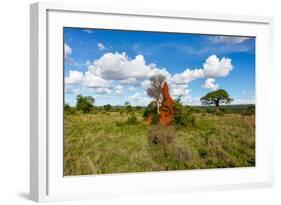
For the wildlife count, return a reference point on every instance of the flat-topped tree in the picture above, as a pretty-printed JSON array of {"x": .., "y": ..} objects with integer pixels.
[{"x": 215, "y": 98}]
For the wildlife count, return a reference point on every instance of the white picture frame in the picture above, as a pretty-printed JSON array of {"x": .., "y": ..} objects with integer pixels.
[{"x": 47, "y": 182}]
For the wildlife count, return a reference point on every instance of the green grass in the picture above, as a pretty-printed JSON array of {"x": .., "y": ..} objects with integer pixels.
[{"x": 104, "y": 142}]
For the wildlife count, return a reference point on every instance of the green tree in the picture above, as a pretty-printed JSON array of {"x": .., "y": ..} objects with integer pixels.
[
  {"x": 84, "y": 103},
  {"x": 68, "y": 110},
  {"x": 107, "y": 107},
  {"x": 151, "y": 110},
  {"x": 215, "y": 98},
  {"x": 128, "y": 107},
  {"x": 183, "y": 116}
]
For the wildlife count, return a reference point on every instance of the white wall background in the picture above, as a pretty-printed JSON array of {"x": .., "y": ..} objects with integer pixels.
[{"x": 14, "y": 101}]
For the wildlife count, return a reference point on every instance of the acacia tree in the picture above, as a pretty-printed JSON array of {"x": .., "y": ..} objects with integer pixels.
[
  {"x": 84, "y": 103},
  {"x": 154, "y": 88},
  {"x": 215, "y": 98}
]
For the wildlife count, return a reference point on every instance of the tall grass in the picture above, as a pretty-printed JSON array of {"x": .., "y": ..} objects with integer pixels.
[{"x": 104, "y": 142}]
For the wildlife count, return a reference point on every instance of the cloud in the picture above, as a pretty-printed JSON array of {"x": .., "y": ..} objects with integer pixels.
[
  {"x": 130, "y": 81},
  {"x": 94, "y": 81},
  {"x": 113, "y": 72},
  {"x": 119, "y": 90},
  {"x": 227, "y": 39},
  {"x": 213, "y": 67},
  {"x": 116, "y": 66},
  {"x": 187, "y": 76},
  {"x": 210, "y": 83},
  {"x": 67, "y": 51},
  {"x": 74, "y": 77},
  {"x": 135, "y": 97},
  {"x": 139, "y": 99},
  {"x": 102, "y": 90},
  {"x": 101, "y": 47},
  {"x": 132, "y": 88},
  {"x": 179, "y": 90}
]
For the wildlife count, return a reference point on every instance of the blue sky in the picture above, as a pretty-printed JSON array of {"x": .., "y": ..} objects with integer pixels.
[{"x": 113, "y": 66}]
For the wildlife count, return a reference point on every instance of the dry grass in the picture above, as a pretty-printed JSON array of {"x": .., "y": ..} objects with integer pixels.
[{"x": 102, "y": 143}]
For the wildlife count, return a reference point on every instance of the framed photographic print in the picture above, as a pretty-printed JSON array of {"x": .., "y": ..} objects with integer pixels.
[{"x": 128, "y": 102}]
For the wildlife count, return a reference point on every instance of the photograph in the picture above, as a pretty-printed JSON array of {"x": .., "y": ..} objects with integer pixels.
[{"x": 149, "y": 101}]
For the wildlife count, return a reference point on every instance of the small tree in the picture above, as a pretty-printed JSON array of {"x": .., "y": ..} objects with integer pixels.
[
  {"x": 128, "y": 107},
  {"x": 107, "y": 107},
  {"x": 84, "y": 103},
  {"x": 215, "y": 98},
  {"x": 151, "y": 111},
  {"x": 68, "y": 110},
  {"x": 154, "y": 89},
  {"x": 183, "y": 116}
]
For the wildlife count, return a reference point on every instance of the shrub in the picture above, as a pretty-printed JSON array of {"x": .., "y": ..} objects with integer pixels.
[
  {"x": 250, "y": 110},
  {"x": 183, "y": 115},
  {"x": 121, "y": 112},
  {"x": 84, "y": 103},
  {"x": 209, "y": 110},
  {"x": 151, "y": 110},
  {"x": 68, "y": 110},
  {"x": 132, "y": 120},
  {"x": 107, "y": 107},
  {"x": 138, "y": 108},
  {"x": 163, "y": 135}
]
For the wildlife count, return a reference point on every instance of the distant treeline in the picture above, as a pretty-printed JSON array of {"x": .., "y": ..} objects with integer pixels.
[{"x": 246, "y": 109}]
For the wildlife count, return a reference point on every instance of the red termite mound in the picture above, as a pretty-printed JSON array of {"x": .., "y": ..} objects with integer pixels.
[{"x": 166, "y": 108}]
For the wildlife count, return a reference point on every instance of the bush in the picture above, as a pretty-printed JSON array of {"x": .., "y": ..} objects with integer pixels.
[
  {"x": 250, "y": 110},
  {"x": 107, "y": 107},
  {"x": 84, "y": 103},
  {"x": 138, "y": 108},
  {"x": 183, "y": 116},
  {"x": 151, "y": 111},
  {"x": 121, "y": 112},
  {"x": 132, "y": 120},
  {"x": 209, "y": 110},
  {"x": 68, "y": 110}
]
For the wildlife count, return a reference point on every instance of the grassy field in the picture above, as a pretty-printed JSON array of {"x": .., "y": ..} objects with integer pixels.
[{"x": 103, "y": 142}]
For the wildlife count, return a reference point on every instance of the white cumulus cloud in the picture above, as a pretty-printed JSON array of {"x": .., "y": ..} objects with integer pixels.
[
  {"x": 119, "y": 90},
  {"x": 74, "y": 77},
  {"x": 187, "y": 76},
  {"x": 130, "y": 81},
  {"x": 179, "y": 90},
  {"x": 102, "y": 90},
  {"x": 210, "y": 83},
  {"x": 115, "y": 72},
  {"x": 116, "y": 66},
  {"x": 214, "y": 67},
  {"x": 93, "y": 81}
]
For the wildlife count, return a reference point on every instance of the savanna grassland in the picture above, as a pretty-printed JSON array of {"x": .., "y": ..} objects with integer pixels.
[{"x": 103, "y": 142}]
